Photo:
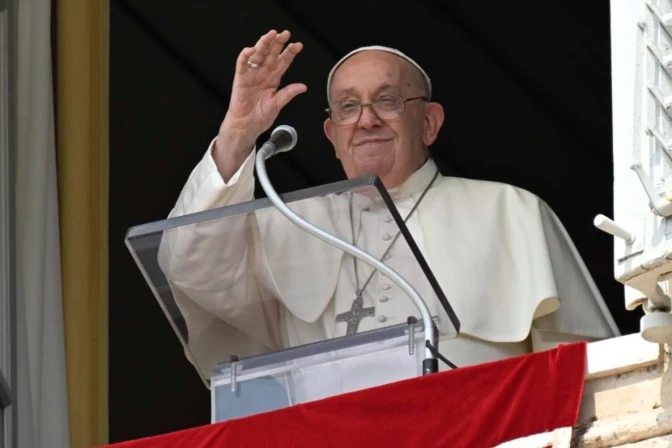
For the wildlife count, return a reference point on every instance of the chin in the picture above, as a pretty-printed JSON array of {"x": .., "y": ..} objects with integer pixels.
[
  {"x": 371, "y": 160},
  {"x": 373, "y": 167}
]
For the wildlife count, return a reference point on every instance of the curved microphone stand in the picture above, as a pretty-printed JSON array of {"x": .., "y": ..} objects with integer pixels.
[{"x": 430, "y": 363}]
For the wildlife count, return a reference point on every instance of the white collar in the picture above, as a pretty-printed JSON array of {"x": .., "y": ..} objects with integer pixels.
[{"x": 417, "y": 182}]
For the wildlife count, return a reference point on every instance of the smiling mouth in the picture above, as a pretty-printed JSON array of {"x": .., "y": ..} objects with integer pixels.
[{"x": 373, "y": 141}]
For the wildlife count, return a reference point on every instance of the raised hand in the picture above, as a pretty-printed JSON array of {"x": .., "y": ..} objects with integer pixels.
[{"x": 255, "y": 98}]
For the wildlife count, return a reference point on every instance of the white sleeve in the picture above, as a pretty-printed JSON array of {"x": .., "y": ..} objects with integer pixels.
[
  {"x": 211, "y": 266},
  {"x": 205, "y": 189}
]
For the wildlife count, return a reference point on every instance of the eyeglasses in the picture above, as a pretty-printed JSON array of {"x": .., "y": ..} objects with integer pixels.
[{"x": 387, "y": 107}]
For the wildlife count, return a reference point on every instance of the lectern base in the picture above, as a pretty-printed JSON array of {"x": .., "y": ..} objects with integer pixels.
[{"x": 321, "y": 370}]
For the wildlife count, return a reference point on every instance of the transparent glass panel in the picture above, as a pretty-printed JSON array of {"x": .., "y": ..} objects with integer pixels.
[{"x": 243, "y": 280}]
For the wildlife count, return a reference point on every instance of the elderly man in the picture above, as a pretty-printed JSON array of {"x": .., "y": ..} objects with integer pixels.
[{"x": 498, "y": 252}]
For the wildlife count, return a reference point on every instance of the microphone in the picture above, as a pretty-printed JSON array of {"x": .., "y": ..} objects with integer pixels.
[{"x": 283, "y": 138}]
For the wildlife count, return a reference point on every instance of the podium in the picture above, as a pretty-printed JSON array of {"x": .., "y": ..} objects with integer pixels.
[
  {"x": 614, "y": 392},
  {"x": 269, "y": 315}
]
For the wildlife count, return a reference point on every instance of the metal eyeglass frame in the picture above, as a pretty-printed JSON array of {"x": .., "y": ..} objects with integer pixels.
[{"x": 373, "y": 109}]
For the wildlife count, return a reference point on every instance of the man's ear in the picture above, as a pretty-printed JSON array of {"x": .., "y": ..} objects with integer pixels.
[
  {"x": 330, "y": 132},
  {"x": 433, "y": 121}
]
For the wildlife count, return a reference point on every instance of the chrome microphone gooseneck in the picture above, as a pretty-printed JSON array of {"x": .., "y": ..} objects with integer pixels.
[{"x": 284, "y": 138}]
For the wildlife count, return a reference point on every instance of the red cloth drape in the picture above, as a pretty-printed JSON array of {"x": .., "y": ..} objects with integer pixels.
[{"x": 471, "y": 407}]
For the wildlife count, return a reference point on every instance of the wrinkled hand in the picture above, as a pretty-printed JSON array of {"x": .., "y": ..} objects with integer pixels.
[{"x": 255, "y": 98}]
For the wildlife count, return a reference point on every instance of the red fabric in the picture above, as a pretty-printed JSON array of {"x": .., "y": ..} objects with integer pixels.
[{"x": 471, "y": 407}]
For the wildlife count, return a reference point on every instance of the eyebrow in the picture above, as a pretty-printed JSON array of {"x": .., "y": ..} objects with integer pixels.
[{"x": 352, "y": 90}]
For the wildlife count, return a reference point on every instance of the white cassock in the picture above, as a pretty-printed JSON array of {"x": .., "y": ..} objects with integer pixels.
[{"x": 259, "y": 283}]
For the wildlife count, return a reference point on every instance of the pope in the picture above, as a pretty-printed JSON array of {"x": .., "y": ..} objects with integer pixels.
[{"x": 256, "y": 283}]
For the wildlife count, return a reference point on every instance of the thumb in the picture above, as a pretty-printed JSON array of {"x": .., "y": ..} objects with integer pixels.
[{"x": 288, "y": 93}]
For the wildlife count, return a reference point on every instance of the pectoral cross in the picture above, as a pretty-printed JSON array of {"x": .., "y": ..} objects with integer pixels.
[{"x": 355, "y": 315}]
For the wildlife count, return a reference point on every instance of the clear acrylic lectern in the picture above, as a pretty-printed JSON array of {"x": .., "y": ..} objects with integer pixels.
[{"x": 269, "y": 315}]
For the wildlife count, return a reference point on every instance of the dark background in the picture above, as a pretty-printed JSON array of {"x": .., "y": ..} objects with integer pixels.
[{"x": 526, "y": 88}]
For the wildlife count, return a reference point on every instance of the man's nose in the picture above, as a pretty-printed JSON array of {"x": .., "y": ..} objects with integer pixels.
[{"x": 368, "y": 118}]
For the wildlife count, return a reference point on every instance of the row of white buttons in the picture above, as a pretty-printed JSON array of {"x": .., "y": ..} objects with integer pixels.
[{"x": 386, "y": 237}]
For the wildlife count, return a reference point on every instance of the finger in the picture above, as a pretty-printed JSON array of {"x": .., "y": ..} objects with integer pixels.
[
  {"x": 276, "y": 47},
  {"x": 243, "y": 57},
  {"x": 288, "y": 93},
  {"x": 262, "y": 46},
  {"x": 287, "y": 56}
]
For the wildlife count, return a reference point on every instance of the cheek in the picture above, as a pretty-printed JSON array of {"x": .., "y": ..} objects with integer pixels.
[
  {"x": 404, "y": 132},
  {"x": 415, "y": 131},
  {"x": 342, "y": 139}
]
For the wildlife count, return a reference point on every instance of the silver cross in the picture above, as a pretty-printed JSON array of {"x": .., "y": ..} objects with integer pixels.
[{"x": 355, "y": 315}]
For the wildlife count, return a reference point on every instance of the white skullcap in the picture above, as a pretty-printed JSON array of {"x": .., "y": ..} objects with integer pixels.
[{"x": 380, "y": 48}]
